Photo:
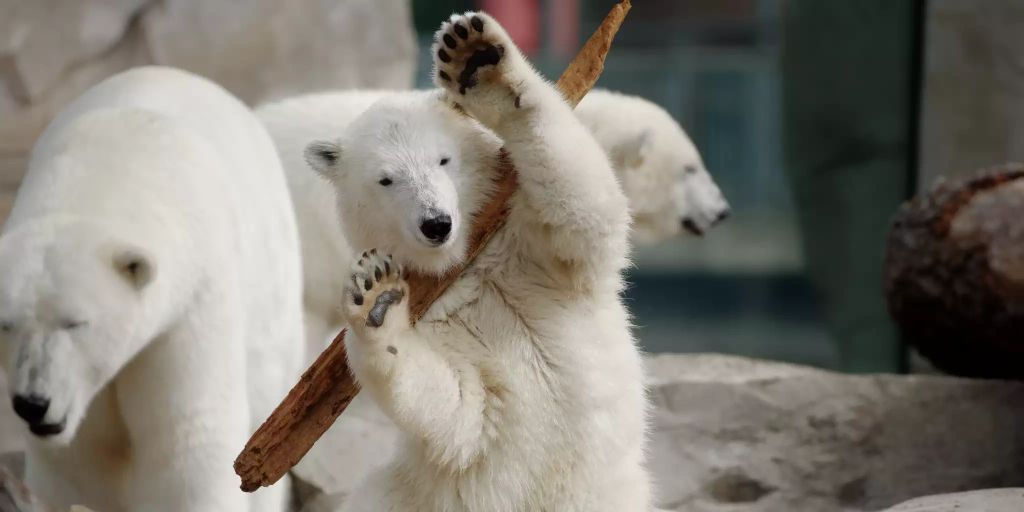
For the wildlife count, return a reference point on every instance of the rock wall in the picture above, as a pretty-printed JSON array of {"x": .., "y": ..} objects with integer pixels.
[
  {"x": 991, "y": 500},
  {"x": 973, "y": 104},
  {"x": 731, "y": 434},
  {"x": 259, "y": 49},
  {"x": 739, "y": 435}
]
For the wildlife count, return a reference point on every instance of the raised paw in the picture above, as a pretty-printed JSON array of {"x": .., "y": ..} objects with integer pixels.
[
  {"x": 471, "y": 51},
  {"x": 376, "y": 287}
]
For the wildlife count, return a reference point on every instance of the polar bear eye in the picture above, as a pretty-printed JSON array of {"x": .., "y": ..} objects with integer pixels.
[
  {"x": 385, "y": 181},
  {"x": 690, "y": 169},
  {"x": 444, "y": 161},
  {"x": 70, "y": 325}
]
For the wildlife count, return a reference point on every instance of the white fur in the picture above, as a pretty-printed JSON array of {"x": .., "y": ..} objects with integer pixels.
[
  {"x": 659, "y": 167},
  {"x": 170, "y": 368},
  {"x": 293, "y": 124},
  {"x": 521, "y": 389}
]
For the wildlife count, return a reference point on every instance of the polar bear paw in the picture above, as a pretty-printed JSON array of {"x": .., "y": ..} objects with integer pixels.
[
  {"x": 375, "y": 289},
  {"x": 475, "y": 57}
]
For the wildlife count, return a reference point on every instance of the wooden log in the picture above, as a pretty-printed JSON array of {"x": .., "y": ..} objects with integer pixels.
[
  {"x": 327, "y": 387},
  {"x": 954, "y": 274}
]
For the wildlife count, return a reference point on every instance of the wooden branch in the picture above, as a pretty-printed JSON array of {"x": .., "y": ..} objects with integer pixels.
[
  {"x": 954, "y": 273},
  {"x": 327, "y": 387}
]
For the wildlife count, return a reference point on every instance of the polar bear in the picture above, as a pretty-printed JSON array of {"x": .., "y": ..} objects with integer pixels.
[
  {"x": 662, "y": 173},
  {"x": 522, "y": 386},
  {"x": 292, "y": 124},
  {"x": 660, "y": 169},
  {"x": 150, "y": 296}
]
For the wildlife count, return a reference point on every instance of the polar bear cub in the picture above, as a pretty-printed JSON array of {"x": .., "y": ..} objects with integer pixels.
[
  {"x": 150, "y": 297},
  {"x": 522, "y": 388},
  {"x": 660, "y": 170}
]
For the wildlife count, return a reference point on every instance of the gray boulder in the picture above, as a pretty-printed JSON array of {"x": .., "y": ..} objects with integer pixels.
[
  {"x": 733, "y": 434},
  {"x": 990, "y": 500},
  {"x": 51, "y": 51},
  {"x": 739, "y": 435}
]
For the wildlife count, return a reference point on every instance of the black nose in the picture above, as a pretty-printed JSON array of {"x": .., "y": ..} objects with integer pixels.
[
  {"x": 692, "y": 227},
  {"x": 724, "y": 214},
  {"x": 437, "y": 229},
  {"x": 31, "y": 408}
]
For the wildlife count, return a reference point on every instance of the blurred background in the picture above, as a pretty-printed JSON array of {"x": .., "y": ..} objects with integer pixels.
[
  {"x": 808, "y": 114},
  {"x": 718, "y": 67}
]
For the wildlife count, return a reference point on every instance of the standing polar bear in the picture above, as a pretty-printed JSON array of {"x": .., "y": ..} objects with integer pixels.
[
  {"x": 660, "y": 170},
  {"x": 521, "y": 389},
  {"x": 150, "y": 304}
]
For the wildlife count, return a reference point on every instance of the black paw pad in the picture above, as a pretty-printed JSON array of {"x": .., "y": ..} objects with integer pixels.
[
  {"x": 488, "y": 56},
  {"x": 477, "y": 23},
  {"x": 460, "y": 31},
  {"x": 443, "y": 55},
  {"x": 449, "y": 41},
  {"x": 380, "y": 307}
]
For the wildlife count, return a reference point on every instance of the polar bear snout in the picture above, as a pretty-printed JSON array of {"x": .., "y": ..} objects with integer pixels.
[
  {"x": 436, "y": 228},
  {"x": 700, "y": 202},
  {"x": 698, "y": 225},
  {"x": 33, "y": 408}
]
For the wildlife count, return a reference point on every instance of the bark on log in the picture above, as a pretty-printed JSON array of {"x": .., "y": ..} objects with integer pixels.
[
  {"x": 327, "y": 386},
  {"x": 954, "y": 274}
]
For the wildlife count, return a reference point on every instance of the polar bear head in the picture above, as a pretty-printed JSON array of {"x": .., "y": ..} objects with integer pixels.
[
  {"x": 409, "y": 173},
  {"x": 669, "y": 189},
  {"x": 72, "y": 302}
]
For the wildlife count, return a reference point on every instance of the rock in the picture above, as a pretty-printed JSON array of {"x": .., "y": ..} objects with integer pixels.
[
  {"x": 42, "y": 40},
  {"x": 992, "y": 500},
  {"x": 264, "y": 49},
  {"x": 954, "y": 273},
  {"x": 731, "y": 434},
  {"x": 258, "y": 49},
  {"x": 14, "y": 462},
  {"x": 361, "y": 440},
  {"x": 972, "y": 102},
  {"x": 16, "y": 497}
]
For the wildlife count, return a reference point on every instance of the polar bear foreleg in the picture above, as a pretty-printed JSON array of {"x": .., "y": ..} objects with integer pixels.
[
  {"x": 414, "y": 380},
  {"x": 185, "y": 407},
  {"x": 570, "y": 194}
]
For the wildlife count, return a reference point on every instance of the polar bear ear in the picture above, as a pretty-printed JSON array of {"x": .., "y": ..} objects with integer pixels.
[
  {"x": 323, "y": 156},
  {"x": 633, "y": 152},
  {"x": 135, "y": 267}
]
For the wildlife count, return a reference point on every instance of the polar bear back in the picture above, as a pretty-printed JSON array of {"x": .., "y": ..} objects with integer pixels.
[
  {"x": 613, "y": 118},
  {"x": 218, "y": 207},
  {"x": 293, "y": 123}
]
